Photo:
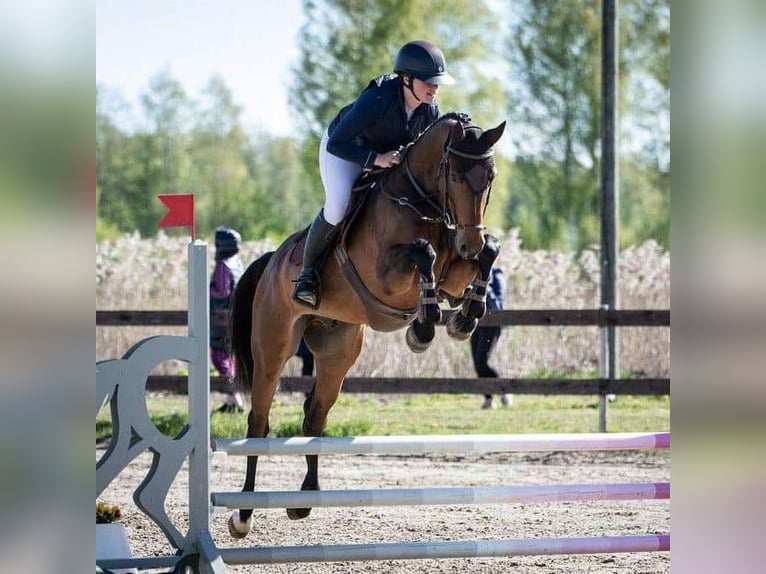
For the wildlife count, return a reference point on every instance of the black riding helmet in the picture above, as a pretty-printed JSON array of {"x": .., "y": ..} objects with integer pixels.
[
  {"x": 226, "y": 242},
  {"x": 424, "y": 61}
]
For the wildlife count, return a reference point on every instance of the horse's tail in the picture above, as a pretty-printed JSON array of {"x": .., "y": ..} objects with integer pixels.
[{"x": 241, "y": 319}]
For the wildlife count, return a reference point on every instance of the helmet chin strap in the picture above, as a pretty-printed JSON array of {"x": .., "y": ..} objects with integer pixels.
[{"x": 410, "y": 87}]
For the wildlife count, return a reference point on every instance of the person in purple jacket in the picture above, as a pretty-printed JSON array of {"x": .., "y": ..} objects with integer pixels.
[
  {"x": 226, "y": 273},
  {"x": 367, "y": 133}
]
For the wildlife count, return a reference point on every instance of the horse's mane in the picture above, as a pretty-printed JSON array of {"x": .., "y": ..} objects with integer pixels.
[
  {"x": 468, "y": 144},
  {"x": 462, "y": 117}
]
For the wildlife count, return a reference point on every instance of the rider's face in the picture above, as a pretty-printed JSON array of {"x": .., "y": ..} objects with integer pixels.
[{"x": 425, "y": 91}]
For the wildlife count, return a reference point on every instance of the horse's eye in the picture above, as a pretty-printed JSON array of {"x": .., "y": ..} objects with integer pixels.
[
  {"x": 478, "y": 178},
  {"x": 453, "y": 177}
]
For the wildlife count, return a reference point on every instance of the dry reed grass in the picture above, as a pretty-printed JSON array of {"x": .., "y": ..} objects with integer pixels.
[{"x": 135, "y": 273}]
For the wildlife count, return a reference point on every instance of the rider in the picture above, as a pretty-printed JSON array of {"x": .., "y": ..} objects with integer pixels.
[{"x": 367, "y": 133}]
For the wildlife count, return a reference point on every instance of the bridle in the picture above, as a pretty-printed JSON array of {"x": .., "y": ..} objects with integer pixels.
[{"x": 446, "y": 218}]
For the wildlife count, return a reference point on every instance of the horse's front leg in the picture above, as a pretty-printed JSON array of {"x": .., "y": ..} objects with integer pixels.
[
  {"x": 462, "y": 323},
  {"x": 421, "y": 332}
]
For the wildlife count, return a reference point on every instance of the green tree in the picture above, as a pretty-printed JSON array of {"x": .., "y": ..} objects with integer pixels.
[
  {"x": 217, "y": 152},
  {"x": 555, "y": 104},
  {"x": 554, "y": 52}
]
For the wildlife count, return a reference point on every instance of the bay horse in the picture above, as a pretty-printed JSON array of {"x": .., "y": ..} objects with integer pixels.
[{"x": 414, "y": 240}]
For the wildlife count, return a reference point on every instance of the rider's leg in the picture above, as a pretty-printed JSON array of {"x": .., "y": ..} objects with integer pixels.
[
  {"x": 338, "y": 176},
  {"x": 307, "y": 283}
]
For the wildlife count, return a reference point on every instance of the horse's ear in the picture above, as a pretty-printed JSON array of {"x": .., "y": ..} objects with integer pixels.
[
  {"x": 490, "y": 137},
  {"x": 458, "y": 133}
]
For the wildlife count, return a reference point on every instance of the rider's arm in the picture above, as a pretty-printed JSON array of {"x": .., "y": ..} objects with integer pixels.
[{"x": 344, "y": 141}]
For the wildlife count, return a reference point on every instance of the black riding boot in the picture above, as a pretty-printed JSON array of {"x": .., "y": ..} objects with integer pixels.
[{"x": 307, "y": 284}]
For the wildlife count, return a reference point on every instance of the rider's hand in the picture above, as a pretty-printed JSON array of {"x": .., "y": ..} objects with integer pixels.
[{"x": 388, "y": 159}]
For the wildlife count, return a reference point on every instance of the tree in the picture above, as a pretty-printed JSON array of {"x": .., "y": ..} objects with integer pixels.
[
  {"x": 554, "y": 52},
  {"x": 555, "y": 104}
]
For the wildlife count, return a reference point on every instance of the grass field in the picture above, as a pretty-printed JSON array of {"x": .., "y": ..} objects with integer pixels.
[{"x": 368, "y": 414}]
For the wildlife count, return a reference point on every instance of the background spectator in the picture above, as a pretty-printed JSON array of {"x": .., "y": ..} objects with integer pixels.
[
  {"x": 226, "y": 273},
  {"x": 484, "y": 339}
]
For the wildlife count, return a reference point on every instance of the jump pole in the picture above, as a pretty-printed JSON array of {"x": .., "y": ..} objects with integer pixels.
[
  {"x": 453, "y": 444},
  {"x": 437, "y": 496},
  {"x": 454, "y": 549}
]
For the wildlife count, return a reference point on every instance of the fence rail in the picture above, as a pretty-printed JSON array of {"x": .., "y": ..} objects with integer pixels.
[
  {"x": 506, "y": 317},
  {"x": 519, "y": 386},
  {"x": 381, "y": 385}
]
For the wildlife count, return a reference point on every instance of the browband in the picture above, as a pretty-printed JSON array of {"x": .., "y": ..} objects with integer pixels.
[{"x": 465, "y": 155}]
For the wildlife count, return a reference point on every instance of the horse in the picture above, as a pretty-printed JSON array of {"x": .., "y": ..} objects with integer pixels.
[{"x": 415, "y": 239}]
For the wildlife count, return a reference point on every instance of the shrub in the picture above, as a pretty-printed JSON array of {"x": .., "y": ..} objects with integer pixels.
[{"x": 107, "y": 513}]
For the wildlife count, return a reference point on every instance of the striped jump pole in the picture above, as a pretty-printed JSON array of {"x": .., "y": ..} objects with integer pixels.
[
  {"x": 453, "y": 549},
  {"x": 442, "y": 444},
  {"x": 437, "y": 496}
]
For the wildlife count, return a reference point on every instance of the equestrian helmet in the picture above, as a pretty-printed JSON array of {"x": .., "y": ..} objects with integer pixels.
[
  {"x": 227, "y": 240},
  {"x": 424, "y": 61}
]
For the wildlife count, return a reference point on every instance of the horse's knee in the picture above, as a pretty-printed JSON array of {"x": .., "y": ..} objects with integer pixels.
[
  {"x": 423, "y": 255},
  {"x": 489, "y": 252}
]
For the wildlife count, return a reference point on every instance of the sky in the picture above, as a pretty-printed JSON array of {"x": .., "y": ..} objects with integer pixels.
[{"x": 252, "y": 44}]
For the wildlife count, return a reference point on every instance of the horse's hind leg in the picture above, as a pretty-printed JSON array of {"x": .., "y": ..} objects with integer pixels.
[
  {"x": 269, "y": 360},
  {"x": 335, "y": 354},
  {"x": 421, "y": 333},
  {"x": 241, "y": 520},
  {"x": 461, "y": 324}
]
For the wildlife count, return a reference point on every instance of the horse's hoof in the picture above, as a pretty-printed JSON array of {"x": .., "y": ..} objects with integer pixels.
[
  {"x": 460, "y": 327},
  {"x": 237, "y": 528},
  {"x": 298, "y": 513},
  {"x": 415, "y": 344},
  {"x": 477, "y": 309}
]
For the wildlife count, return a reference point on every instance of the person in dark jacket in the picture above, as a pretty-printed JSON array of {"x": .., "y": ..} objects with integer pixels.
[
  {"x": 484, "y": 339},
  {"x": 368, "y": 133}
]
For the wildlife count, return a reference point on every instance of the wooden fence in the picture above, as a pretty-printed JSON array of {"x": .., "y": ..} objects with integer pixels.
[{"x": 507, "y": 317}]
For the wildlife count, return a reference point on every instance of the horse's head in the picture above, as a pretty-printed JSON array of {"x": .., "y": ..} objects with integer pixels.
[
  {"x": 455, "y": 157},
  {"x": 469, "y": 171}
]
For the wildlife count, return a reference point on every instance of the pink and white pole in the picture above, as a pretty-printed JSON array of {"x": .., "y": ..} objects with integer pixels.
[{"x": 454, "y": 549}]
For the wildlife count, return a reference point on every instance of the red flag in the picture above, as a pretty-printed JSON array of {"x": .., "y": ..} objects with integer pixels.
[{"x": 180, "y": 211}]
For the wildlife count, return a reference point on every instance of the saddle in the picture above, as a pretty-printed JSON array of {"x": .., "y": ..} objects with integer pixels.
[{"x": 359, "y": 193}]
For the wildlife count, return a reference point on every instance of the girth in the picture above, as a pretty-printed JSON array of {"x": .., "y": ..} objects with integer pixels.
[{"x": 381, "y": 317}]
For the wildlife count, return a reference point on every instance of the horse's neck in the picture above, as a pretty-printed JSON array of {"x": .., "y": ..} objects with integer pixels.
[{"x": 423, "y": 169}]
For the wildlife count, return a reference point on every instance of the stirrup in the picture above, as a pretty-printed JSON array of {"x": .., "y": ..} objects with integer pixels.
[{"x": 306, "y": 290}]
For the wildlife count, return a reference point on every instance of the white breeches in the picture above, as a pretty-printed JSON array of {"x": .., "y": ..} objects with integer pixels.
[{"x": 338, "y": 177}]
